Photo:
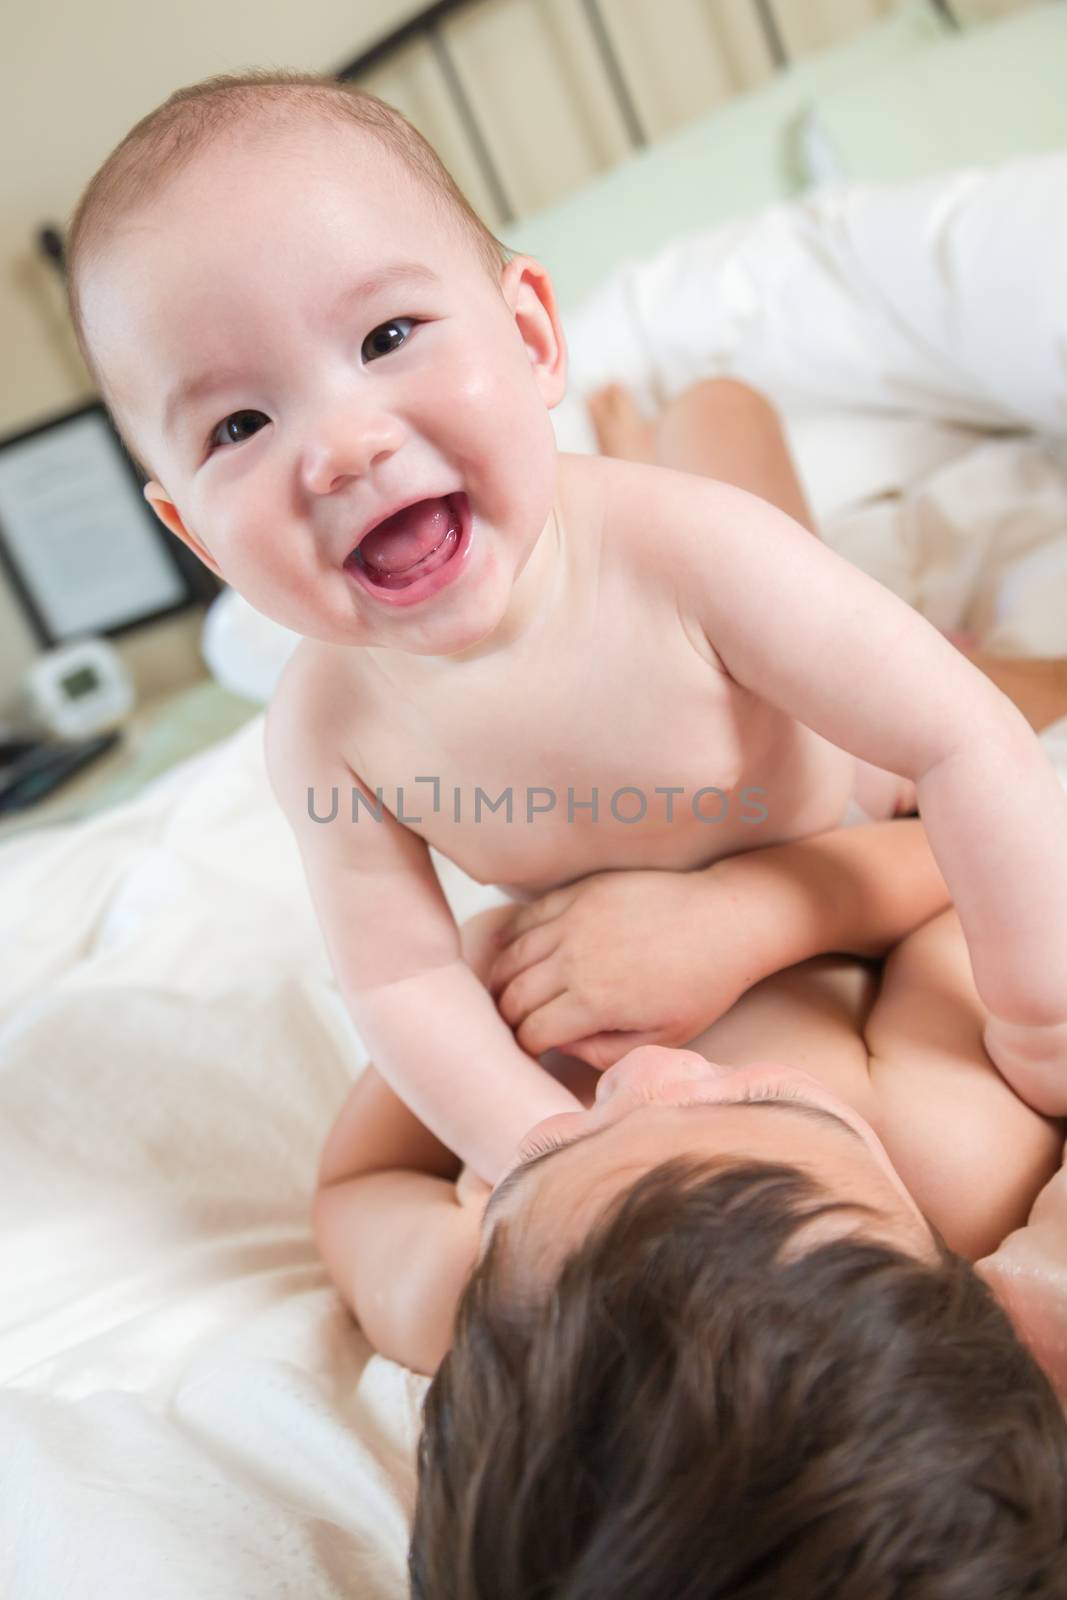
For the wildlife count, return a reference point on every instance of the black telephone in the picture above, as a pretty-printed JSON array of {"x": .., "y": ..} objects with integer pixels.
[{"x": 31, "y": 768}]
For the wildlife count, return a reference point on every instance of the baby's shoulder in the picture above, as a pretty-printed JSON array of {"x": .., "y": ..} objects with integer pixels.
[
  {"x": 310, "y": 712},
  {"x": 648, "y": 509},
  {"x": 589, "y": 484},
  {"x": 659, "y": 533}
]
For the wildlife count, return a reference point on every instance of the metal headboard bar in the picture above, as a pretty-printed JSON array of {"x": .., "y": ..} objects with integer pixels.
[
  {"x": 465, "y": 112},
  {"x": 949, "y": 15},
  {"x": 772, "y": 33},
  {"x": 428, "y": 25},
  {"x": 415, "y": 27},
  {"x": 613, "y": 72}
]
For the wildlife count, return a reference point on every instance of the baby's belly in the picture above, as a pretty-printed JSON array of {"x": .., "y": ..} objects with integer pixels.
[{"x": 805, "y": 793}]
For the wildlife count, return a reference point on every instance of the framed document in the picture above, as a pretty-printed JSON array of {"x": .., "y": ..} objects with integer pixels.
[{"x": 84, "y": 551}]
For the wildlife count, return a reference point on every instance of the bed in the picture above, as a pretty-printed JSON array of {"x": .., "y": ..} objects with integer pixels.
[{"x": 185, "y": 1405}]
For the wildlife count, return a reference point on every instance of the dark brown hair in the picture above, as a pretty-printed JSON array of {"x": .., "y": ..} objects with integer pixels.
[
  {"x": 721, "y": 1396},
  {"x": 168, "y": 139}
]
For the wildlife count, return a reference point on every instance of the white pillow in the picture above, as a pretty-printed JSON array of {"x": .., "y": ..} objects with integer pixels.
[
  {"x": 244, "y": 650},
  {"x": 941, "y": 298}
]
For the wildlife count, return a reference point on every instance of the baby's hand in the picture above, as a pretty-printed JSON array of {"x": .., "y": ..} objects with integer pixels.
[
  {"x": 621, "y": 959},
  {"x": 1033, "y": 1060}
]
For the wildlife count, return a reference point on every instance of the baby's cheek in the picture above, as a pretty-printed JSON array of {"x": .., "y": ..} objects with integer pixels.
[{"x": 500, "y": 397}]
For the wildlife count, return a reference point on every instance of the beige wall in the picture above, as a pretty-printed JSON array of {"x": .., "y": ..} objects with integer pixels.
[{"x": 74, "y": 76}]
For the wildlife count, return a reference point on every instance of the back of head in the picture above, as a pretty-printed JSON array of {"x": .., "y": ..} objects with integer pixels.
[
  {"x": 730, "y": 1391},
  {"x": 166, "y": 142}
]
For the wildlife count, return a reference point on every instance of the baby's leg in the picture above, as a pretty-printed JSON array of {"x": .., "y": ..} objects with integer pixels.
[{"x": 719, "y": 428}]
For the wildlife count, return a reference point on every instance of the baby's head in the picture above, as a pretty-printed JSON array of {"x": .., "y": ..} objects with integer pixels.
[
  {"x": 730, "y": 1377},
  {"x": 301, "y": 327}
]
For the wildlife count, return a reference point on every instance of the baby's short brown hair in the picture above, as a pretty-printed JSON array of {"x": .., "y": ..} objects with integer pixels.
[
  {"x": 168, "y": 139},
  {"x": 715, "y": 1399}
]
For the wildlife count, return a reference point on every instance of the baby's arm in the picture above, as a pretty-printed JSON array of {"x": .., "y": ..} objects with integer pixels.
[
  {"x": 390, "y": 1225},
  {"x": 860, "y": 667},
  {"x": 427, "y": 1020}
]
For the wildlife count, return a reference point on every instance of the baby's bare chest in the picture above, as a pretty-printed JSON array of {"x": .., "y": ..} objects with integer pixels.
[{"x": 625, "y": 749}]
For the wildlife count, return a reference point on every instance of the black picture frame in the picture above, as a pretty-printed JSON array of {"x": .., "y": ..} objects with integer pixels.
[{"x": 196, "y": 585}]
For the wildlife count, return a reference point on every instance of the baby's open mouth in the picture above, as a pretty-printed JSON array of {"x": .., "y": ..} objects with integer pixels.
[{"x": 411, "y": 544}]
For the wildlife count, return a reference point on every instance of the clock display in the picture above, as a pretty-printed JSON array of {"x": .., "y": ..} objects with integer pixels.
[{"x": 80, "y": 682}]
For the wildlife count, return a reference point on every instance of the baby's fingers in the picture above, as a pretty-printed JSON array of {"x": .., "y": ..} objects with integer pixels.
[
  {"x": 551, "y": 1025},
  {"x": 528, "y": 990},
  {"x": 536, "y": 914},
  {"x": 526, "y": 951}
]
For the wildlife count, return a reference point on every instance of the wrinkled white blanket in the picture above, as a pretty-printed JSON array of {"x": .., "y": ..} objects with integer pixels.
[{"x": 185, "y": 1408}]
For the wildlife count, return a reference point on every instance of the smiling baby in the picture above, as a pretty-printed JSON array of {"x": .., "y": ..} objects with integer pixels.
[{"x": 542, "y": 665}]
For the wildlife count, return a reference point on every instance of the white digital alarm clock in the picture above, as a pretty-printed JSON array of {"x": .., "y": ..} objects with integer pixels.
[{"x": 79, "y": 689}]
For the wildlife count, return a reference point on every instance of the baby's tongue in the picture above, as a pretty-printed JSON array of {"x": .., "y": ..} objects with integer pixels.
[{"x": 405, "y": 539}]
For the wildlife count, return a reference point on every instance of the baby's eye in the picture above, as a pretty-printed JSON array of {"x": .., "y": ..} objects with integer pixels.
[
  {"x": 384, "y": 338},
  {"x": 234, "y": 416}
]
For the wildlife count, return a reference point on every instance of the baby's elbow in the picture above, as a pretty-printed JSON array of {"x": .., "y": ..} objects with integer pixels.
[{"x": 977, "y": 736}]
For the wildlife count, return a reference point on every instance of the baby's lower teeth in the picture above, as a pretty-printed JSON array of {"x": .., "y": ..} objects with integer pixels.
[{"x": 399, "y": 573}]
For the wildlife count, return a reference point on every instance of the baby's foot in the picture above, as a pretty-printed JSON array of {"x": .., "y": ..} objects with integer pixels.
[{"x": 620, "y": 428}]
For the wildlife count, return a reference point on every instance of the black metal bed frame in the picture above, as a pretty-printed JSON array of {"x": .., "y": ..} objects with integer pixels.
[{"x": 428, "y": 26}]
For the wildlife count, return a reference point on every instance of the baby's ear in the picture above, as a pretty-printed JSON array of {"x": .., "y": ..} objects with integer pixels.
[
  {"x": 527, "y": 289},
  {"x": 167, "y": 512}
]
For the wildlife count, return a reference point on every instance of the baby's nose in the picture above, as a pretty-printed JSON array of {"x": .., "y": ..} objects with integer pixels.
[{"x": 342, "y": 448}]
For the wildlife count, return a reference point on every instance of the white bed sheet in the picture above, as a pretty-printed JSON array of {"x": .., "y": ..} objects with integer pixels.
[{"x": 185, "y": 1407}]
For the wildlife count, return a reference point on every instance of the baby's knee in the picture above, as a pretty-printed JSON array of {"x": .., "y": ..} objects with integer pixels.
[{"x": 725, "y": 397}]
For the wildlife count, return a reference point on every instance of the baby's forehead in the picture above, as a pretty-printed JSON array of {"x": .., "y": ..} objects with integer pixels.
[
  {"x": 352, "y": 197},
  {"x": 240, "y": 213},
  {"x": 310, "y": 147}
]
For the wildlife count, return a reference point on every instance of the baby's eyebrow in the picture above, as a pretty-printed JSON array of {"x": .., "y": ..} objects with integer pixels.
[
  {"x": 800, "y": 1107},
  {"x": 197, "y": 385},
  {"x": 186, "y": 390}
]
